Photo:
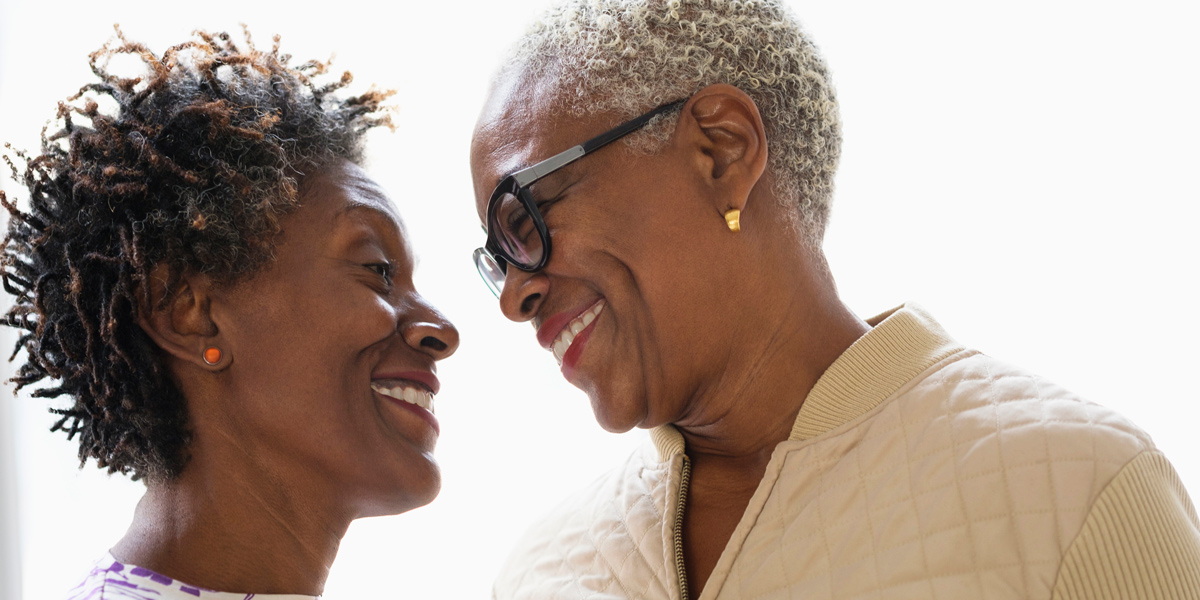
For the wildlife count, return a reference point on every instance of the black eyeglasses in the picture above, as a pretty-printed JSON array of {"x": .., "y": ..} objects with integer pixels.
[{"x": 516, "y": 232}]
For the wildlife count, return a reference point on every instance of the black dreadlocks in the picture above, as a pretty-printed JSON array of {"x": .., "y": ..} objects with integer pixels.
[{"x": 192, "y": 169}]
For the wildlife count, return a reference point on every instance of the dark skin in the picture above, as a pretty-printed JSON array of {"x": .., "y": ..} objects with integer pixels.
[
  {"x": 721, "y": 334},
  {"x": 291, "y": 443}
]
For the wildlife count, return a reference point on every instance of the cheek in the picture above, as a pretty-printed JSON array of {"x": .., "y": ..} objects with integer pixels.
[
  {"x": 324, "y": 329},
  {"x": 343, "y": 328},
  {"x": 651, "y": 228},
  {"x": 306, "y": 364},
  {"x": 374, "y": 321}
]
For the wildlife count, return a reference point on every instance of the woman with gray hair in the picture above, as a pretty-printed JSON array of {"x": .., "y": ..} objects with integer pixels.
[{"x": 798, "y": 451}]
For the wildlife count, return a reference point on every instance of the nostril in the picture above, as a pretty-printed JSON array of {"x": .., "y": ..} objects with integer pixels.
[
  {"x": 433, "y": 343},
  {"x": 528, "y": 304}
]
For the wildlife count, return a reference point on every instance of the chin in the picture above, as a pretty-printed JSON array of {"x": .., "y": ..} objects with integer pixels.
[
  {"x": 412, "y": 490},
  {"x": 614, "y": 419}
]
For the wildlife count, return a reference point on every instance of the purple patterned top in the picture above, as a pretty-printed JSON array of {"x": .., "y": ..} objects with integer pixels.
[{"x": 111, "y": 579}]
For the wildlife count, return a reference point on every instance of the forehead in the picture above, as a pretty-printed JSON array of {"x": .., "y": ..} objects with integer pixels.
[
  {"x": 340, "y": 199},
  {"x": 521, "y": 124},
  {"x": 342, "y": 186}
]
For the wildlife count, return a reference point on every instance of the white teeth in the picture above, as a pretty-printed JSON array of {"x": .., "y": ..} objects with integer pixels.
[
  {"x": 567, "y": 335},
  {"x": 560, "y": 347},
  {"x": 411, "y": 396},
  {"x": 403, "y": 390}
]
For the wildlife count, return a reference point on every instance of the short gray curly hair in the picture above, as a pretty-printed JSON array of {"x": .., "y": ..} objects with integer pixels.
[{"x": 626, "y": 56}]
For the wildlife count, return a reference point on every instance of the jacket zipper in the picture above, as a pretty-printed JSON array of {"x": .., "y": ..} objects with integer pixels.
[{"x": 684, "y": 478}]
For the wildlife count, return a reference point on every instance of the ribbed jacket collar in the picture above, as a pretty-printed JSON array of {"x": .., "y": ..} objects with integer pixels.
[{"x": 902, "y": 343}]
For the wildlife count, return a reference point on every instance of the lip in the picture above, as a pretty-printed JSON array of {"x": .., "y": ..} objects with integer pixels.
[
  {"x": 425, "y": 378},
  {"x": 575, "y": 352},
  {"x": 420, "y": 412},
  {"x": 552, "y": 326}
]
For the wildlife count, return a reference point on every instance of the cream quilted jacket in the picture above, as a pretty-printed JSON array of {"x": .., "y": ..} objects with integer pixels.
[{"x": 916, "y": 468}]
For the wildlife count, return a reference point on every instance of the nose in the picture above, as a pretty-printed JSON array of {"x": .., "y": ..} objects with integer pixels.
[
  {"x": 429, "y": 332},
  {"x": 523, "y": 293}
]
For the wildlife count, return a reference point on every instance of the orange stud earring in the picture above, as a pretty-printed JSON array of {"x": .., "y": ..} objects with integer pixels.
[{"x": 212, "y": 355}]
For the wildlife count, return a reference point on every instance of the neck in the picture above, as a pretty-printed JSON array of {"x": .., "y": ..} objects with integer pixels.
[
  {"x": 794, "y": 330},
  {"x": 222, "y": 529}
]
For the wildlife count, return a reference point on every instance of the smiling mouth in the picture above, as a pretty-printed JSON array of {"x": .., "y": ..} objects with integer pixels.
[
  {"x": 567, "y": 335},
  {"x": 408, "y": 391}
]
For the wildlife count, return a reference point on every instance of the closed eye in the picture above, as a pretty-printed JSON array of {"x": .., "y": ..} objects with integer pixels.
[
  {"x": 542, "y": 206},
  {"x": 385, "y": 270}
]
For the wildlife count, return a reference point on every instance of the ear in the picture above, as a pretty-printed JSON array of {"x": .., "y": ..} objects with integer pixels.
[
  {"x": 182, "y": 325},
  {"x": 728, "y": 131}
]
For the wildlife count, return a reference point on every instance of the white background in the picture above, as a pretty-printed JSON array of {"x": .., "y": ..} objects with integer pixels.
[{"x": 1027, "y": 170}]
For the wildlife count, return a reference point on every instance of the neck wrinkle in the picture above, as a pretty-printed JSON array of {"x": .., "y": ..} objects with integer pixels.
[{"x": 757, "y": 400}]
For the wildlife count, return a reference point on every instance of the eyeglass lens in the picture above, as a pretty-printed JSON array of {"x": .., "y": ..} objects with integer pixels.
[
  {"x": 491, "y": 272},
  {"x": 516, "y": 232}
]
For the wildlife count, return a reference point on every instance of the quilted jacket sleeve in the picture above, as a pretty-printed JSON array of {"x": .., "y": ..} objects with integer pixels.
[{"x": 1141, "y": 539}]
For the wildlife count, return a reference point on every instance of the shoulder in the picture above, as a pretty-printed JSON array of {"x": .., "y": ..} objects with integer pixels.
[
  {"x": 111, "y": 579},
  {"x": 985, "y": 396},
  {"x": 1141, "y": 538},
  {"x": 1003, "y": 423},
  {"x": 601, "y": 524}
]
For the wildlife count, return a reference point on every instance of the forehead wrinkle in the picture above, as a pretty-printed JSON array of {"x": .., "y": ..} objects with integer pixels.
[
  {"x": 365, "y": 186},
  {"x": 354, "y": 205},
  {"x": 515, "y": 149},
  {"x": 366, "y": 192}
]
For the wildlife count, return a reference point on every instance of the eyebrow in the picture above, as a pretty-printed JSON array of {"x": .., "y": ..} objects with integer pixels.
[{"x": 354, "y": 206}]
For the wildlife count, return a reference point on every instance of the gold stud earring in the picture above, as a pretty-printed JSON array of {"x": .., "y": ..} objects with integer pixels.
[
  {"x": 212, "y": 355},
  {"x": 733, "y": 219}
]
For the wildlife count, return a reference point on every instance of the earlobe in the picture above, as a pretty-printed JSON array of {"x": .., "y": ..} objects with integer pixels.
[
  {"x": 733, "y": 219},
  {"x": 732, "y": 139},
  {"x": 182, "y": 325},
  {"x": 212, "y": 356}
]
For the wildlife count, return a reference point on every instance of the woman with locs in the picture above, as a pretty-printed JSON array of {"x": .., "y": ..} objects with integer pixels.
[{"x": 224, "y": 300}]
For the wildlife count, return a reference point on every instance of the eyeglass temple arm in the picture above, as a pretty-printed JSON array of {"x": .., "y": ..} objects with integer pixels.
[
  {"x": 625, "y": 129},
  {"x": 533, "y": 173}
]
